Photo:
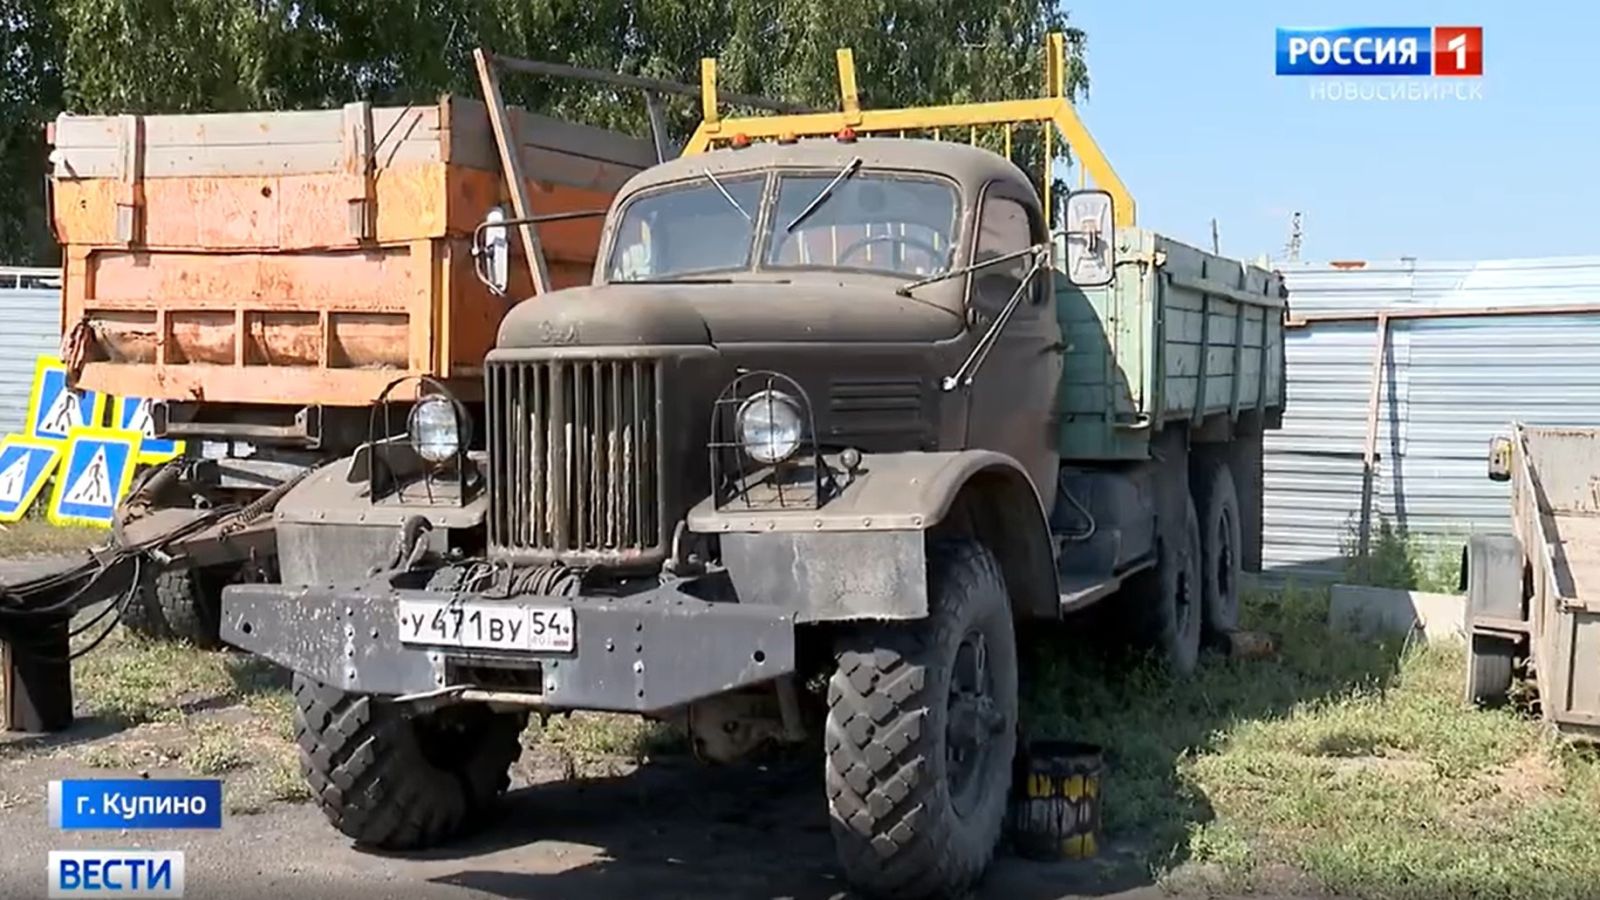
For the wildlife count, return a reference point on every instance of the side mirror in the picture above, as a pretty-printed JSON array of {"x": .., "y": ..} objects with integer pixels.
[
  {"x": 1090, "y": 238},
  {"x": 491, "y": 252}
]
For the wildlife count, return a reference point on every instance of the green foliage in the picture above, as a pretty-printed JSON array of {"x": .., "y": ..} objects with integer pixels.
[
  {"x": 180, "y": 56},
  {"x": 1397, "y": 558},
  {"x": 30, "y": 93}
]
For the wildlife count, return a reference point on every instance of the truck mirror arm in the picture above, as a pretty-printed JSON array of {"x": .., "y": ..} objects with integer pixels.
[
  {"x": 906, "y": 289},
  {"x": 477, "y": 237},
  {"x": 969, "y": 367}
]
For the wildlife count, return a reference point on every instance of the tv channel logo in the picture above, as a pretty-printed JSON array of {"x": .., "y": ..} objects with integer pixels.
[
  {"x": 115, "y": 873},
  {"x": 126, "y": 803},
  {"x": 1439, "y": 50}
]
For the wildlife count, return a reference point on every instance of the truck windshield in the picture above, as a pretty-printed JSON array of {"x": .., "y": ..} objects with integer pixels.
[
  {"x": 884, "y": 223},
  {"x": 687, "y": 230}
]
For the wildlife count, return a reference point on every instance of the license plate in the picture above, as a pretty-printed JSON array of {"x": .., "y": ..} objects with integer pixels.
[{"x": 488, "y": 626}]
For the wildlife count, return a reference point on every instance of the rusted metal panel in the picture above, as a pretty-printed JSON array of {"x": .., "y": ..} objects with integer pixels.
[{"x": 306, "y": 257}]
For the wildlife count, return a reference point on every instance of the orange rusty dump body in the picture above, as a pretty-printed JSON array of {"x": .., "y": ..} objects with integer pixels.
[{"x": 306, "y": 257}]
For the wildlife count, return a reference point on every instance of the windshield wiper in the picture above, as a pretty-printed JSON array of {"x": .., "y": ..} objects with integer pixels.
[
  {"x": 688, "y": 279},
  {"x": 727, "y": 196},
  {"x": 822, "y": 195}
]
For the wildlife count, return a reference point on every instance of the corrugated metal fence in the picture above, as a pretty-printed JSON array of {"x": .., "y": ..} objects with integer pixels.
[
  {"x": 30, "y": 325},
  {"x": 1449, "y": 385}
]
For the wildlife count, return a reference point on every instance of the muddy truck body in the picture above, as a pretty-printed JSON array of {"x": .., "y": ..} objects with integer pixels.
[
  {"x": 837, "y": 416},
  {"x": 264, "y": 277}
]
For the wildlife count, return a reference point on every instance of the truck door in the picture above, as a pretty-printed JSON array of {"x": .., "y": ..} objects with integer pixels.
[{"x": 1013, "y": 397}]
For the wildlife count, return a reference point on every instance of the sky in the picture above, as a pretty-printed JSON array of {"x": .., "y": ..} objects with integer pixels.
[{"x": 1184, "y": 101}]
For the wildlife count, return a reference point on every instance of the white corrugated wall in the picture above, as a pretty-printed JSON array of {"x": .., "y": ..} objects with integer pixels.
[
  {"x": 30, "y": 326},
  {"x": 1450, "y": 385}
]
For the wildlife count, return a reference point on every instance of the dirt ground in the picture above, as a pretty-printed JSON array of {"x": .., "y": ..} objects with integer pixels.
[
  {"x": 599, "y": 807},
  {"x": 602, "y": 827}
]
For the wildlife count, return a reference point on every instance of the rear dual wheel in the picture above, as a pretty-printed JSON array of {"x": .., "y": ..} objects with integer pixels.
[
  {"x": 1172, "y": 596},
  {"x": 182, "y": 603},
  {"x": 1221, "y": 549}
]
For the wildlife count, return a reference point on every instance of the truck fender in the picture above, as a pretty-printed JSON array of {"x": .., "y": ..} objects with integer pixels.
[{"x": 863, "y": 553}]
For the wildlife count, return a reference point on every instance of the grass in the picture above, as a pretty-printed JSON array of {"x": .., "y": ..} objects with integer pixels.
[
  {"x": 1354, "y": 765},
  {"x": 129, "y": 680},
  {"x": 589, "y": 736},
  {"x": 34, "y": 535},
  {"x": 1398, "y": 558}
]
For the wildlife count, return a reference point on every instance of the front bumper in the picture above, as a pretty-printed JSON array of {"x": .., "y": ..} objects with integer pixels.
[{"x": 646, "y": 652}]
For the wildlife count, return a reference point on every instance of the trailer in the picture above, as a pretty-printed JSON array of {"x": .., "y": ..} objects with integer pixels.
[
  {"x": 1534, "y": 596},
  {"x": 263, "y": 277}
]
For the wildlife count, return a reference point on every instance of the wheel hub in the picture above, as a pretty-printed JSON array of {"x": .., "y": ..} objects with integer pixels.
[{"x": 972, "y": 719}]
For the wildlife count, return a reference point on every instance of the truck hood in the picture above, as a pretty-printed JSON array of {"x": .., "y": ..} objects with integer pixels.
[{"x": 747, "y": 312}]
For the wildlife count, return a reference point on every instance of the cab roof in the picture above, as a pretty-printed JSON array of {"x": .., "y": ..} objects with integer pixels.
[{"x": 970, "y": 167}]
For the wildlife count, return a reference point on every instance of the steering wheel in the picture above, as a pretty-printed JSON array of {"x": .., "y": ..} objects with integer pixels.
[{"x": 917, "y": 243}]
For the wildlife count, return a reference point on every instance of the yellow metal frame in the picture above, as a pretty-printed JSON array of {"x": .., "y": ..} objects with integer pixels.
[{"x": 1053, "y": 108}]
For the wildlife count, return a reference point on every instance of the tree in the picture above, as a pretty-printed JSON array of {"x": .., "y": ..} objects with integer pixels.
[
  {"x": 148, "y": 56},
  {"x": 30, "y": 92}
]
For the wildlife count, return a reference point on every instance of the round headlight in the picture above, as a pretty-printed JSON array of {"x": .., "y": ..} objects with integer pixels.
[
  {"x": 435, "y": 432},
  {"x": 769, "y": 426}
]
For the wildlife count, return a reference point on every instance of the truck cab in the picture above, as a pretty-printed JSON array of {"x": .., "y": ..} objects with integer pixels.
[
  {"x": 825, "y": 431},
  {"x": 857, "y": 274}
]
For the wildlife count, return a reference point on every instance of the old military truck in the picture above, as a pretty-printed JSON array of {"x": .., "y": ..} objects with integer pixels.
[{"x": 835, "y": 409}]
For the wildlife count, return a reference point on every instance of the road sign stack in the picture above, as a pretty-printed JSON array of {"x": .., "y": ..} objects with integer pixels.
[{"x": 67, "y": 437}]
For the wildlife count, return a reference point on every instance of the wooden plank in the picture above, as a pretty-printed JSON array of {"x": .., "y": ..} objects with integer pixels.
[
  {"x": 1369, "y": 450},
  {"x": 374, "y": 280},
  {"x": 287, "y": 212},
  {"x": 544, "y": 165},
  {"x": 243, "y": 129},
  {"x": 358, "y": 163},
  {"x": 130, "y": 177},
  {"x": 250, "y": 384},
  {"x": 237, "y": 161},
  {"x": 580, "y": 140},
  {"x": 1198, "y": 414},
  {"x": 425, "y": 289},
  {"x": 1234, "y": 392},
  {"x": 511, "y": 167}
]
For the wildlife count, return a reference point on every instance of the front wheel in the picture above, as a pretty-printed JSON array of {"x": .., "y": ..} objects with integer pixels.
[
  {"x": 920, "y": 735},
  {"x": 396, "y": 781}
]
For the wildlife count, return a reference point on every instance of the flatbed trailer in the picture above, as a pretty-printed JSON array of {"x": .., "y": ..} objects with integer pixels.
[{"x": 1534, "y": 596}]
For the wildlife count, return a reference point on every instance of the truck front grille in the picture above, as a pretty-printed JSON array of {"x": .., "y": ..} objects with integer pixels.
[{"x": 574, "y": 459}]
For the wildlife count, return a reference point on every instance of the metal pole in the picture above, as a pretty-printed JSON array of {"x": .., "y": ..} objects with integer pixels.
[
  {"x": 1369, "y": 452},
  {"x": 1573, "y": 309},
  {"x": 651, "y": 85},
  {"x": 506, "y": 138},
  {"x": 658, "y": 125}
]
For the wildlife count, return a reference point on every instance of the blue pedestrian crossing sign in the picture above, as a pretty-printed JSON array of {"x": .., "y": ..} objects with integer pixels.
[
  {"x": 25, "y": 465},
  {"x": 133, "y": 414},
  {"x": 93, "y": 474},
  {"x": 53, "y": 408}
]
